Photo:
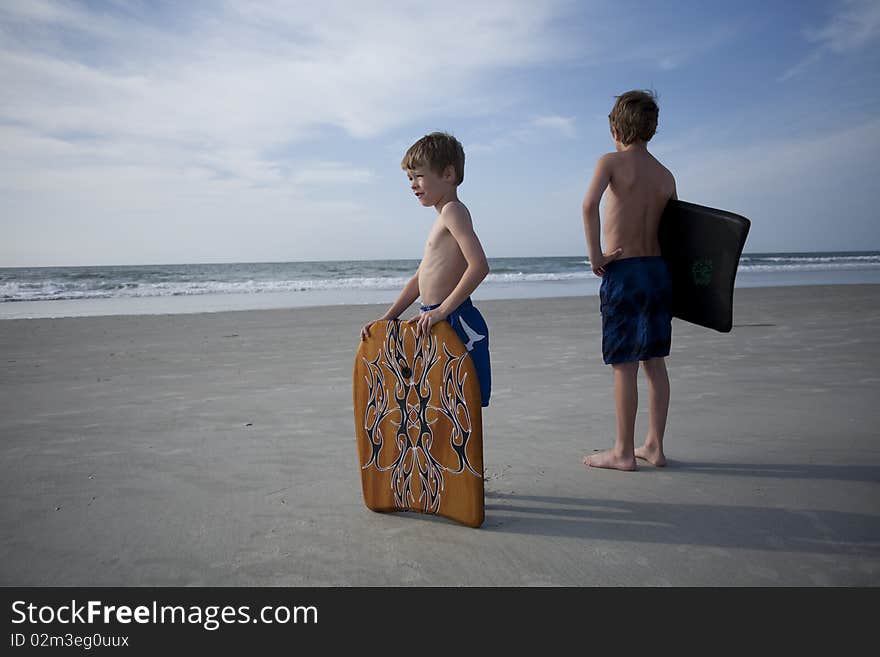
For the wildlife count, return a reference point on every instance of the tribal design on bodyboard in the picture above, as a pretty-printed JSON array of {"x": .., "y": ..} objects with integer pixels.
[{"x": 419, "y": 443}]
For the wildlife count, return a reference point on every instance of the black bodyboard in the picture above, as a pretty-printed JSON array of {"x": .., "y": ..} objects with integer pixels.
[{"x": 702, "y": 247}]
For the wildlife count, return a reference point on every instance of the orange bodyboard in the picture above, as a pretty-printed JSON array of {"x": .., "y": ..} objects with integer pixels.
[{"x": 419, "y": 423}]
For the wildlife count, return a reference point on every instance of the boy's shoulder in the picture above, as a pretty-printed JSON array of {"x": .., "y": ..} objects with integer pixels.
[
  {"x": 455, "y": 212},
  {"x": 615, "y": 158},
  {"x": 665, "y": 172},
  {"x": 608, "y": 161}
]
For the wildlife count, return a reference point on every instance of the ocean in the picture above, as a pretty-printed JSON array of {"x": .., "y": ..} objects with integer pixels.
[{"x": 28, "y": 292}]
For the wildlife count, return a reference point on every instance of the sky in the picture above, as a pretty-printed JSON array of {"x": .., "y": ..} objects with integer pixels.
[{"x": 164, "y": 132}]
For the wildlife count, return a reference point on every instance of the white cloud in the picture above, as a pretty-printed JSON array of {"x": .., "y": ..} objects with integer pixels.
[
  {"x": 332, "y": 173},
  {"x": 115, "y": 114},
  {"x": 263, "y": 74},
  {"x": 854, "y": 25},
  {"x": 662, "y": 49},
  {"x": 562, "y": 124},
  {"x": 527, "y": 132},
  {"x": 796, "y": 192}
]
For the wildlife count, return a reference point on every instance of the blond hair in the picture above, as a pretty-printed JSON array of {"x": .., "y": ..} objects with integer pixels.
[{"x": 437, "y": 151}]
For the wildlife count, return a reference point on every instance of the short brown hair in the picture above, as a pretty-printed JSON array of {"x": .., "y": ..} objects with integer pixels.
[
  {"x": 634, "y": 116},
  {"x": 436, "y": 151}
]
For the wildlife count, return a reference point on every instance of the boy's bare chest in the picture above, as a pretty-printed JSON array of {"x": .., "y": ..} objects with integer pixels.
[
  {"x": 437, "y": 238},
  {"x": 440, "y": 245}
]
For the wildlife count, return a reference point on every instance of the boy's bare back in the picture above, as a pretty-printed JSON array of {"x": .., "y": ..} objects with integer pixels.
[
  {"x": 638, "y": 189},
  {"x": 636, "y": 286}
]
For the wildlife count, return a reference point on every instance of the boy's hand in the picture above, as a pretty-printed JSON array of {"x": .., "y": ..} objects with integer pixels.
[
  {"x": 365, "y": 331},
  {"x": 599, "y": 266},
  {"x": 426, "y": 320}
]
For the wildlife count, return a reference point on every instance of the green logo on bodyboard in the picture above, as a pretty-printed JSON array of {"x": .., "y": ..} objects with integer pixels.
[{"x": 702, "y": 272}]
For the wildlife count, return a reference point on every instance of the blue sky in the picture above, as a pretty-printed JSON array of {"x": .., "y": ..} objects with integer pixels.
[{"x": 154, "y": 132}]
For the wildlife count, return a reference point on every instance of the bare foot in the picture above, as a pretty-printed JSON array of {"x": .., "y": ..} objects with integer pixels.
[
  {"x": 653, "y": 454},
  {"x": 610, "y": 460}
]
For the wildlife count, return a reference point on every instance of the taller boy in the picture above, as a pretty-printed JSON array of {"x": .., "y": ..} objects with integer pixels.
[
  {"x": 453, "y": 264},
  {"x": 636, "y": 286}
]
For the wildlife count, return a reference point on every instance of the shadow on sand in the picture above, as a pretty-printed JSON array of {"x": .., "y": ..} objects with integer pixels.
[
  {"x": 868, "y": 473},
  {"x": 719, "y": 525}
]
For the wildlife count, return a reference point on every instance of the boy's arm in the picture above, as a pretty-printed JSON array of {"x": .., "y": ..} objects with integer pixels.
[
  {"x": 458, "y": 222},
  {"x": 598, "y": 185},
  {"x": 459, "y": 225},
  {"x": 408, "y": 294}
]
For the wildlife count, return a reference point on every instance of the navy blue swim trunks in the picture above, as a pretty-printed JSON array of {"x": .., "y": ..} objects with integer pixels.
[
  {"x": 471, "y": 328},
  {"x": 636, "y": 304}
]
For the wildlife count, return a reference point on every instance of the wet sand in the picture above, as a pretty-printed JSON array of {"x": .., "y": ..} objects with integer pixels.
[{"x": 218, "y": 449}]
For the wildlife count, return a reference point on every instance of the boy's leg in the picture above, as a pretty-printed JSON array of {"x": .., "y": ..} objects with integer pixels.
[
  {"x": 626, "y": 399},
  {"x": 658, "y": 391}
]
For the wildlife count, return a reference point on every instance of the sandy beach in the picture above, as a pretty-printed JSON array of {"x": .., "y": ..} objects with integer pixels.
[{"x": 218, "y": 449}]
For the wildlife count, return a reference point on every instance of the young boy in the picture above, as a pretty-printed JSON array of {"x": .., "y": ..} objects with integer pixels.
[
  {"x": 635, "y": 291},
  {"x": 453, "y": 264}
]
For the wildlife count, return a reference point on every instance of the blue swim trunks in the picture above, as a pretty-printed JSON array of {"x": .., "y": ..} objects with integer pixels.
[
  {"x": 471, "y": 328},
  {"x": 636, "y": 304}
]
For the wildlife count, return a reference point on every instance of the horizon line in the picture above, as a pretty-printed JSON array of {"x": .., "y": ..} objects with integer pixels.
[{"x": 287, "y": 262}]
